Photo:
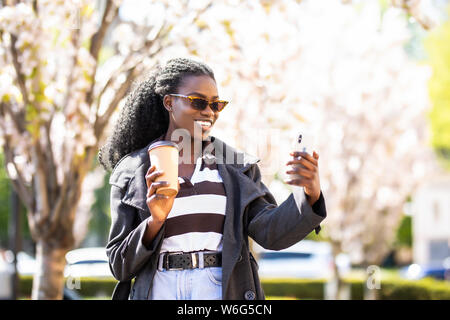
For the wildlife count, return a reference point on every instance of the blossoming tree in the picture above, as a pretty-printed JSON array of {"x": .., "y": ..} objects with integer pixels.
[
  {"x": 287, "y": 66},
  {"x": 57, "y": 97},
  {"x": 339, "y": 72}
]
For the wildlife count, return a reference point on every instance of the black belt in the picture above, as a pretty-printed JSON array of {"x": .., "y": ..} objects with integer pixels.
[{"x": 189, "y": 260}]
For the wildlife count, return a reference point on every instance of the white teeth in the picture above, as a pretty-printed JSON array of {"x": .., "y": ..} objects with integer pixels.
[{"x": 203, "y": 123}]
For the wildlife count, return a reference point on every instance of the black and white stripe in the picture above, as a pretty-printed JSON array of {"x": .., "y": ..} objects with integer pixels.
[{"x": 196, "y": 219}]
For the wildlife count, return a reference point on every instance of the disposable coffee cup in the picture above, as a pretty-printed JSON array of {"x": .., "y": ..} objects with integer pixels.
[{"x": 164, "y": 156}]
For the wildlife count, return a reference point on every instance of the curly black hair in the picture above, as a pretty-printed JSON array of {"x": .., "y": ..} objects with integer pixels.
[{"x": 144, "y": 117}]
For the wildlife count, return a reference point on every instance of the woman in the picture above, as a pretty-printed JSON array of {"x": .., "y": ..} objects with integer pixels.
[{"x": 194, "y": 245}]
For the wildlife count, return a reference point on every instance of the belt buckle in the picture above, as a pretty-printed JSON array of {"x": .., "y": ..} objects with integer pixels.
[
  {"x": 175, "y": 253},
  {"x": 194, "y": 260}
]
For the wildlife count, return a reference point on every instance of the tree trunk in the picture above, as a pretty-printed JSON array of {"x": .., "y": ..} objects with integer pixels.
[
  {"x": 54, "y": 235},
  {"x": 343, "y": 288},
  {"x": 48, "y": 282},
  {"x": 336, "y": 288}
]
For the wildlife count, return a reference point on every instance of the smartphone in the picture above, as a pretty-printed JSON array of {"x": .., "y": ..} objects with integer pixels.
[{"x": 300, "y": 144}]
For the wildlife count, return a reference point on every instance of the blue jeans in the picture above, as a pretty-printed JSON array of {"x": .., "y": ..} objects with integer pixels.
[{"x": 189, "y": 284}]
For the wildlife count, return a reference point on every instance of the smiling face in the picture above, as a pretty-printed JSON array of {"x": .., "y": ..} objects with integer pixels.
[{"x": 184, "y": 116}]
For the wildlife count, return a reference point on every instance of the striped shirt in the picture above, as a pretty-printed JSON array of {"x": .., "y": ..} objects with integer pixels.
[{"x": 196, "y": 219}]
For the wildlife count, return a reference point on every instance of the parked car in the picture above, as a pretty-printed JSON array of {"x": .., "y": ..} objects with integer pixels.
[
  {"x": 87, "y": 262},
  {"x": 26, "y": 265},
  {"x": 305, "y": 259},
  {"x": 438, "y": 270}
]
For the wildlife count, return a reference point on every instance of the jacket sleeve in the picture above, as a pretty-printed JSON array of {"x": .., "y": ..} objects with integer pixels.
[
  {"x": 318, "y": 207},
  {"x": 278, "y": 227},
  {"x": 125, "y": 250}
]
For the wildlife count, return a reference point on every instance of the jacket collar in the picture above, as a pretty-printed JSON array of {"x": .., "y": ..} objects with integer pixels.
[{"x": 229, "y": 161}]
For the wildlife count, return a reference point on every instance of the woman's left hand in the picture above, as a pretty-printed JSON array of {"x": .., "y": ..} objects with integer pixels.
[{"x": 308, "y": 174}]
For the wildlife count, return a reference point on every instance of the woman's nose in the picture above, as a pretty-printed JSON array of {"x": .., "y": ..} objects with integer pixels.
[{"x": 208, "y": 112}]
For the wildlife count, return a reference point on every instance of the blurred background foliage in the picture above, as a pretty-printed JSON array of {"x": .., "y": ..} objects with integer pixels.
[
  {"x": 437, "y": 45},
  {"x": 432, "y": 48}
]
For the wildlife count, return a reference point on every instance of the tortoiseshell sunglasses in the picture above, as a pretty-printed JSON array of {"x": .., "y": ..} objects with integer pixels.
[{"x": 201, "y": 104}]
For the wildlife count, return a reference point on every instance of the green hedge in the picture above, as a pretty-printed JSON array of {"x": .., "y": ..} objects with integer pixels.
[
  {"x": 424, "y": 289},
  {"x": 89, "y": 287},
  {"x": 25, "y": 285},
  {"x": 298, "y": 288},
  {"x": 356, "y": 288},
  {"x": 391, "y": 288}
]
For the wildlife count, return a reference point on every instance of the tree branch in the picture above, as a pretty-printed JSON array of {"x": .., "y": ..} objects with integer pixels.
[
  {"x": 110, "y": 13},
  {"x": 18, "y": 119},
  {"x": 70, "y": 193},
  {"x": 19, "y": 183},
  {"x": 126, "y": 66},
  {"x": 412, "y": 7},
  {"x": 115, "y": 74},
  {"x": 130, "y": 68},
  {"x": 35, "y": 7},
  {"x": 101, "y": 121},
  {"x": 20, "y": 76},
  {"x": 51, "y": 164},
  {"x": 60, "y": 200},
  {"x": 43, "y": 205},
  {"x": 75, "y": 41}
]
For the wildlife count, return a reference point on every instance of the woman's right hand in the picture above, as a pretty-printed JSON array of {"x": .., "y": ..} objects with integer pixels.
[{"x": 158, "y": 204}]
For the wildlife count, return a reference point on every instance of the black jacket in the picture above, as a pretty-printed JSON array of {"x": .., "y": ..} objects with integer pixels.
[{"x": 251, "y": 210}]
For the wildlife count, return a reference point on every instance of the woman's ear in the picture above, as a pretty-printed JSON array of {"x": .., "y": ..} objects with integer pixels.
[{"x": 167, "y": 102}]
